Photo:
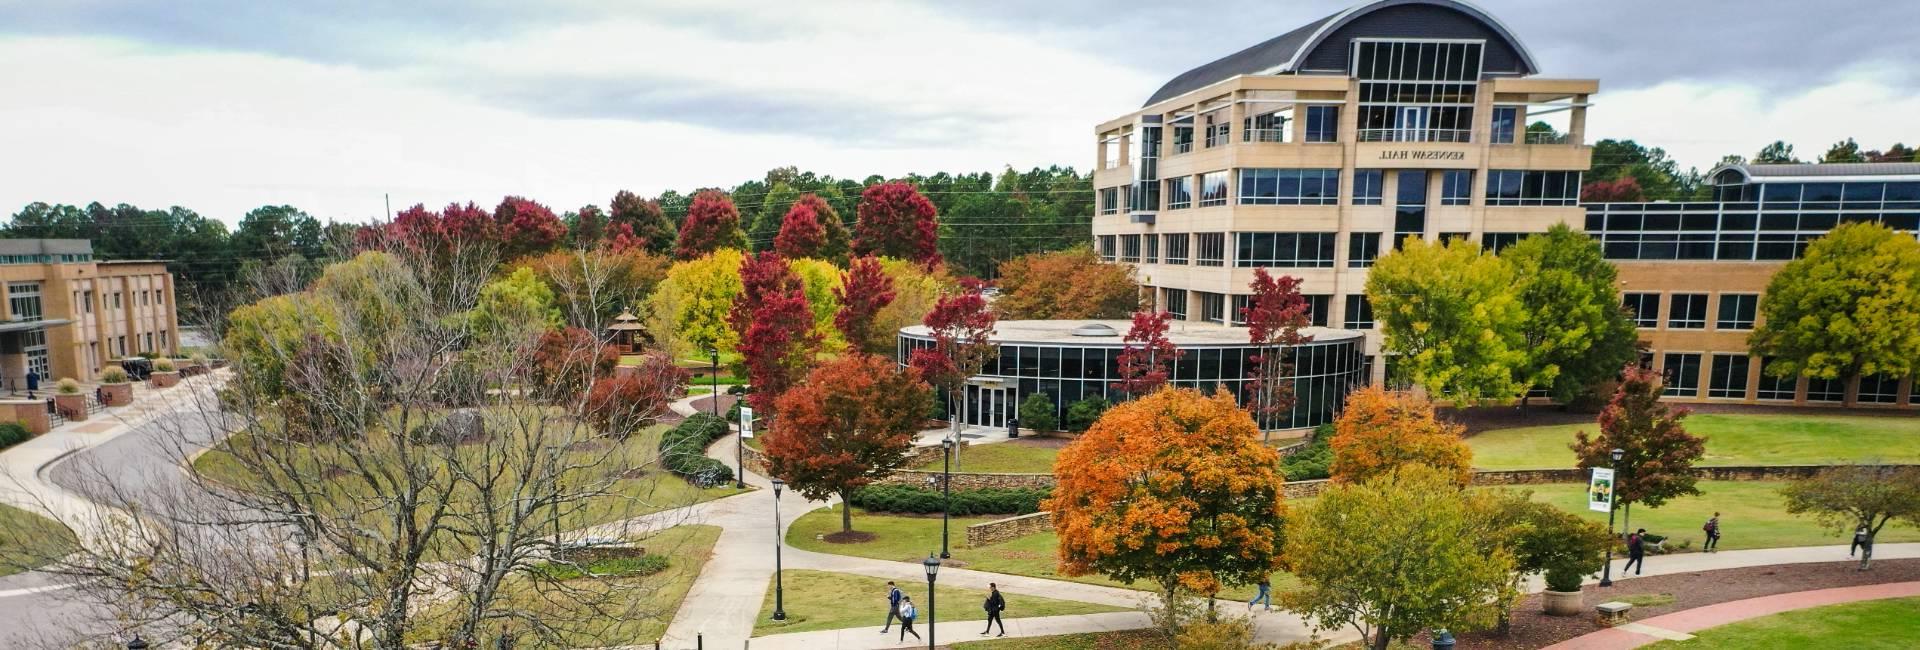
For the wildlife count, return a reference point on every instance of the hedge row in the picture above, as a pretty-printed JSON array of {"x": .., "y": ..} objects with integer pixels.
[
  {"x": 12, "y": 433},
  {"x": 919, "y": 500},
  {"x": 683, "y": 450},
  {"x": 1312, "y": 462}
]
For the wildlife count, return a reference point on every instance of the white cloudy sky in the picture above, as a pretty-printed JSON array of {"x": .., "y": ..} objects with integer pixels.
[{"x": 224, "y": 105}]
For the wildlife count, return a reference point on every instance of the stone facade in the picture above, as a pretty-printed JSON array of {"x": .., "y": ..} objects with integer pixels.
[
  {"x": 1001, "y": 530},
  {"x": 969, "y": 480}
]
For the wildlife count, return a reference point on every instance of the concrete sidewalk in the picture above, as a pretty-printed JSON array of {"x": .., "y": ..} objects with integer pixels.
[
  {"x": 1660, "y": 565},
  {"x": 1680, "y": 625}
]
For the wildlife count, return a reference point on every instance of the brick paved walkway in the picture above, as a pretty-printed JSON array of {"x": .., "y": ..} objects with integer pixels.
[{"x": 1682, "y": 624}]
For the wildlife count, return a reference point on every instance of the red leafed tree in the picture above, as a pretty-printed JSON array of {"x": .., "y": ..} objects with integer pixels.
[
  {"x": 775, "y": 325},
  {"x": 527, "y": 227},
  {"x": 417, "y": 228},
  {"x": 838, "y": 239},
  {"x": 1625, "y": 189},
  {"x": 895, "y": 220},
  {"x": 565, "y": 361},
  {"x": 1658, "y": 453},
  {"x": 801, "y": 234},
  {"x": 864, "y": 290},
  {"x": 962, "y": 329},
  {"x": 429, "y": 232},
  {"x": 589, "y": 226},
  {"x": 1147, "y": 360},
  {"x": 852, "y": 422},
  {"x": 631, "y": 400},
  {"x": 712, "y": 224},
  {"x": 469, "y": 224},
  {"x": 1274, "y": 315},
  {"x": 644, "y": 221},
  {"x": 620, "y": 239}
]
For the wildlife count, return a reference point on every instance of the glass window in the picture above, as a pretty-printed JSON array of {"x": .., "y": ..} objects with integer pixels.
[
  {"x": 1771, "y": 387},
  {"x": 1109, "y": 200},
  {"x": 1729, "y": 378},
  {"x": 1109, "y": 247},
  {"x": 1213, "y": 307},
  {"x": 1687, "y": 311},
  {"x": 1879, "y": 389},
  {"x": 1284, "y": 249},
  {"x": 1826, "y": 390},
  {"x": 1411, "y": 188},
  {"x": 1175, "y": 302},
  {"x": 1318, "y": 307},
  {"x": 1323, "y": 124},
  {"x": 1359, "y": 313},
  {"x": 1456, "y": 187},
  {"x": 1643, "y": 308},
  {"x": 1152, "y": 245},
  {"x": 1408, "y": 222},
  {"x": 1362, "y": 249},
  {"x": 1213, "y": 189},
  {"x": 1736, "y": 311},
  {"x": 1179, "y": 192},
  {"x": 1532, "y": 187},
  {"x": 1682, "y": 375},
  {"x": 1504, "y": 119},
  {"x": 1176, "y": 246},
  {"x": 1367, "y": 185},
  {"x": 1130, "y": 248},
  {"x": 1494, "y": 242},
  {"x": 1289, "y": 186},
  {"x": 1213, "y": 249}
]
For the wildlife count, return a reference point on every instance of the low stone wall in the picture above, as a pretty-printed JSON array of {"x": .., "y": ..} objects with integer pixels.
[
  {"x": 1303, "y": 489},
  {"x": 1576, "y": 475},
  {"x": 1001, "y": 530},
  {"x": 968, "y": 480}
]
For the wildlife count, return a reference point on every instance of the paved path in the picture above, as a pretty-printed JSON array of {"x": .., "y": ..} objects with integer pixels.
[
  {"x": 1659, "y": 565},
  {"x": 1682, "y": 624}
]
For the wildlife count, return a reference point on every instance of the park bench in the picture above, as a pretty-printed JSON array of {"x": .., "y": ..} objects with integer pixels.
[{"x": 1613, "y": 611}]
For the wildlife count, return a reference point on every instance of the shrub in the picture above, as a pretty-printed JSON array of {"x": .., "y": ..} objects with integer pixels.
[
  {"x": 67, "y": 386},
  {"x": 683, "y": 450},
  {"x": 163, "y": 364},
  {"x": 1561, "y": 578},
  {"x": 917, "y": 500},
  {"x": 113, "y": 375},
  {"x": 1036, "y": 412},
  {"x": 1311, "y": 462},
  {"x": 1083, "y": 413},
  {"x": 12, "y": 433},
  {"x": 197, "y": 359},
  {"x": 620, "y": 567}
]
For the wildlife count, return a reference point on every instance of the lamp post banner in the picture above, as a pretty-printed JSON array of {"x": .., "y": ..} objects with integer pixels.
[
  {"x": 746, "y": 422},
  {"x": 1600, "y": 490}
]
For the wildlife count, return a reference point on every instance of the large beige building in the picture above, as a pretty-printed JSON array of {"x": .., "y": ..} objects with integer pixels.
[
  {"x": 1315, "y": 152},
  {"x": 67, "y": 315}
]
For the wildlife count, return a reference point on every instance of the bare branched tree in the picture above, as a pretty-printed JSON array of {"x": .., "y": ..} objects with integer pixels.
[{"x": 382, "y": 476}]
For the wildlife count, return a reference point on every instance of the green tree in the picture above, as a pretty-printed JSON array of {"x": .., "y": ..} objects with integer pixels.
[
  {"x": 772, "y": 211},
  {"x": 1658, "y": 175},
  {"x": 1393, "y": 556},
  {"x": 515, "y": 307},
  {"x": 1037, "y": 412},
  {"x": 275, "y": 230},
  {"x": 263, "y": 337},
  {"x": 1849, "y": 306},
  {"x": 1844, "y": 151},
  {"x": 1779, "y": 152},
  {"x": 1452, "y": 316},
  {"x": 1576, "y": 335},
  {"x": 1858, "y": 496},
  {"x": 687, "y": 314}
]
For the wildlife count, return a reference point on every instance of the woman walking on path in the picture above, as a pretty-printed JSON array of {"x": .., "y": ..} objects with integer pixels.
[
  {"x": 994, "y": 605},
  {"x": 1636, "y": 552},
  {"x": 1265, "y": 596},
  {"x": 1713, "y": 533},
  {"x": 907, "y": 613}
]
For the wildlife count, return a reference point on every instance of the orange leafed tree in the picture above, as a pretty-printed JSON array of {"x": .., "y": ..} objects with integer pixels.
[
  {"x": 1072, "y": 283},
  {"x": 851, "y": 423},
  {"x": 1381, "y": 430},
  {"x": 1173, "y": 488}
]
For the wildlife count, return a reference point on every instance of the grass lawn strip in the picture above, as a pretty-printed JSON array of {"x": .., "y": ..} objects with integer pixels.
[
  {"x": 1752, "y": 515},
  {"x": 1002, "y": 458},
  {"x": 824, "y": 600},
  {"x": 1891, "y": 623},
  {"x": 1124, "y": 640},
  {"x": 1732, "y": 439},
  {"x": 640, "y": 608},
  {"x": 28, "y": 541}
]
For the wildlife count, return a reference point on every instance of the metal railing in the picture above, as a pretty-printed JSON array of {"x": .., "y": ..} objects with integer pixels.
[
  {"x": 1416, "y": 135},
  {"x": 1182, "y": 147},
  {"x": 1263, "y": 135},
  {"x": 1543, "y": 137}
]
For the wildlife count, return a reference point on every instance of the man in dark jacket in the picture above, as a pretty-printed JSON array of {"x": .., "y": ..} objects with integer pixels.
[
  {"x": 893, "y": 608},
  {"x": 1636, "y": 552},
  {"x": 994, "y": 605}
]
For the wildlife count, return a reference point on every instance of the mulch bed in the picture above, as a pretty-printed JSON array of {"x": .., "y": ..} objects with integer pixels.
[
  {"x": 1534, "y": 629},
  {"x": 849, "y": 537}
]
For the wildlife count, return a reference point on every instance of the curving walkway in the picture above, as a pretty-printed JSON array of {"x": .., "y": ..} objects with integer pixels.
[{"x": 1680, "y": 625}]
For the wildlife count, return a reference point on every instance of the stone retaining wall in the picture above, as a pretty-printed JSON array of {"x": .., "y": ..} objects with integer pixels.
[
  {"x": 1001, "y": 530},
  {"x": 968, "y": 480}
]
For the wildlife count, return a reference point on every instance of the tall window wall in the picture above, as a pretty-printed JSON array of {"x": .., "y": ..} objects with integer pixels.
[
  {"x": 1416, "y": 91},
  {"x": 1778, "y": 227}
]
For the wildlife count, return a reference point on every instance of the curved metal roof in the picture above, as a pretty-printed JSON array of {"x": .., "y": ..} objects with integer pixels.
[
  {"x": 1285, "y": 53},
  {"x": 1750, "y": 172}
]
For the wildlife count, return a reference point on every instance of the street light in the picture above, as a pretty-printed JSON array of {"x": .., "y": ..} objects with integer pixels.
[
  {"x": 933, "y": 569},
  {"x": 1606, "y": 574},
  {"x": 946, "y": 492},
  {"x": 779, "y": 580}
]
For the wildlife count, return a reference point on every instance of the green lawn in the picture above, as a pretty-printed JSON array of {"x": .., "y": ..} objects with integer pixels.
[
  {"x": 1124, "y": 640},
  {"x": 1892, "y": 623},
  {"x": 29, "y": 541},
  {"x": 1003, "y": 458},
  {"x": 629, "y": 610},
  {"x": 651, "y": 491},
  {"x": 1732, "y": 439},
  {"x": 910, "y": 539},
  {"x": 823, "y": 600},
  {"x": 1752, "y": 515}
]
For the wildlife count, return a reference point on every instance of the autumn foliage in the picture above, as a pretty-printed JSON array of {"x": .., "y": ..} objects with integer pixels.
[
  {"x": 1274, "y": 315},
  {"x": 1380, "y": 430},
  {"x": 775, "y": 325},
  {"x": 1173, "y": 488},
  {"x": 712, "y": 223},
  {"x": 895, "y": 220},
  {"x": 1072, "y": 283},
  {"x": 864, "y": 290},
  {"x": 634, "y": 221},
  {"x": 566, "y": 360},
  {"x": 850, "y": 423},
  {"x": 1148, "y": 358},
  {"x": 801, "y": 233},
  {"x": 635, "y": 398},
  {"x": 1659, "y": 453},
  {"x": 527, "y": 227},
  {"x": 962, "y": 330}
]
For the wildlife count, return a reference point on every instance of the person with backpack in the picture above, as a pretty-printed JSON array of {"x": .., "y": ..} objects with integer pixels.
[
  {"x": 1860, "y": 541},
  {"x": 1712, "y": 529},
  {"x": 893, "y": 606},
  {"x": 907, "y": 614},
  {"x": 1265, "y": 596},
  {"x": 1636, "y": 552},
  {"x": 994, "y": 605}
]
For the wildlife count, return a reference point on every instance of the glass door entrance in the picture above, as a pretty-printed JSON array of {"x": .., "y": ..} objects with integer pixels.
[{"x": 987, "y": 407}]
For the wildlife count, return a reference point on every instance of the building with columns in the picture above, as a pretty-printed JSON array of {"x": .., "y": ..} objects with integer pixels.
[
  {"x": 1316, "y": 151},
  {"x": 67, "y": 314}
]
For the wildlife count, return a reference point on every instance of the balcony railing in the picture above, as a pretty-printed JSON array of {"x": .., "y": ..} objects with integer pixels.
[
  {"x": 1182, "y": 147},
  {"x": 1543, "y": 137},
  {"x": 1416, "y": 135},
  {"x": 1264, "y": 135}
]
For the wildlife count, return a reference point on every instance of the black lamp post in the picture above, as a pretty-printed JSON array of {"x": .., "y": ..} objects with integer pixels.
[
  {"x": 779, "y": 580},
  {"x": 946, "y": 492},
  {"x": 1606, "y": 574},
  {"x": 933, "y": 569},
  {"x": 714, "y": 355}
]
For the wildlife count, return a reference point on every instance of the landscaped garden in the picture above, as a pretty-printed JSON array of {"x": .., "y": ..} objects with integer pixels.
[
  {"x": 1023, "y": 456},
  {"x": 28, "y": 540},
  {"x": 824, "y": 600},
  {"x": 1732, "y": 439},
  {"x": 1892, "y": 623}
]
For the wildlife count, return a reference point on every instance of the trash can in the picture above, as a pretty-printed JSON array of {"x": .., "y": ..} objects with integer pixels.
[
  {"x": 1013, "y": 427},
  {"x": 1442, "y": 640}
]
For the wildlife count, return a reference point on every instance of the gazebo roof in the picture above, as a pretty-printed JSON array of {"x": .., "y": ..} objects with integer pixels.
[{"x": 625, "y": 321}]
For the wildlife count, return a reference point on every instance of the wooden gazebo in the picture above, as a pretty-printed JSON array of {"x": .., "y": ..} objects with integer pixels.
[{"x": 626, "y": 332}]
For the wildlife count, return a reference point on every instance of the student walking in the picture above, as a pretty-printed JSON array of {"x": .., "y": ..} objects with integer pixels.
[
  {"x": 1636, "y": 552},
  {"x": 893, "y": 606},
  {"x": 1713, "y": 533},
  {"x": 907, "y": 614},
  {"x": 33, "y": 383},
  {"x": 1265, "y": 596},
  {"x": 1860, "y": 541},
  {"x": 994, "y": 605}
]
